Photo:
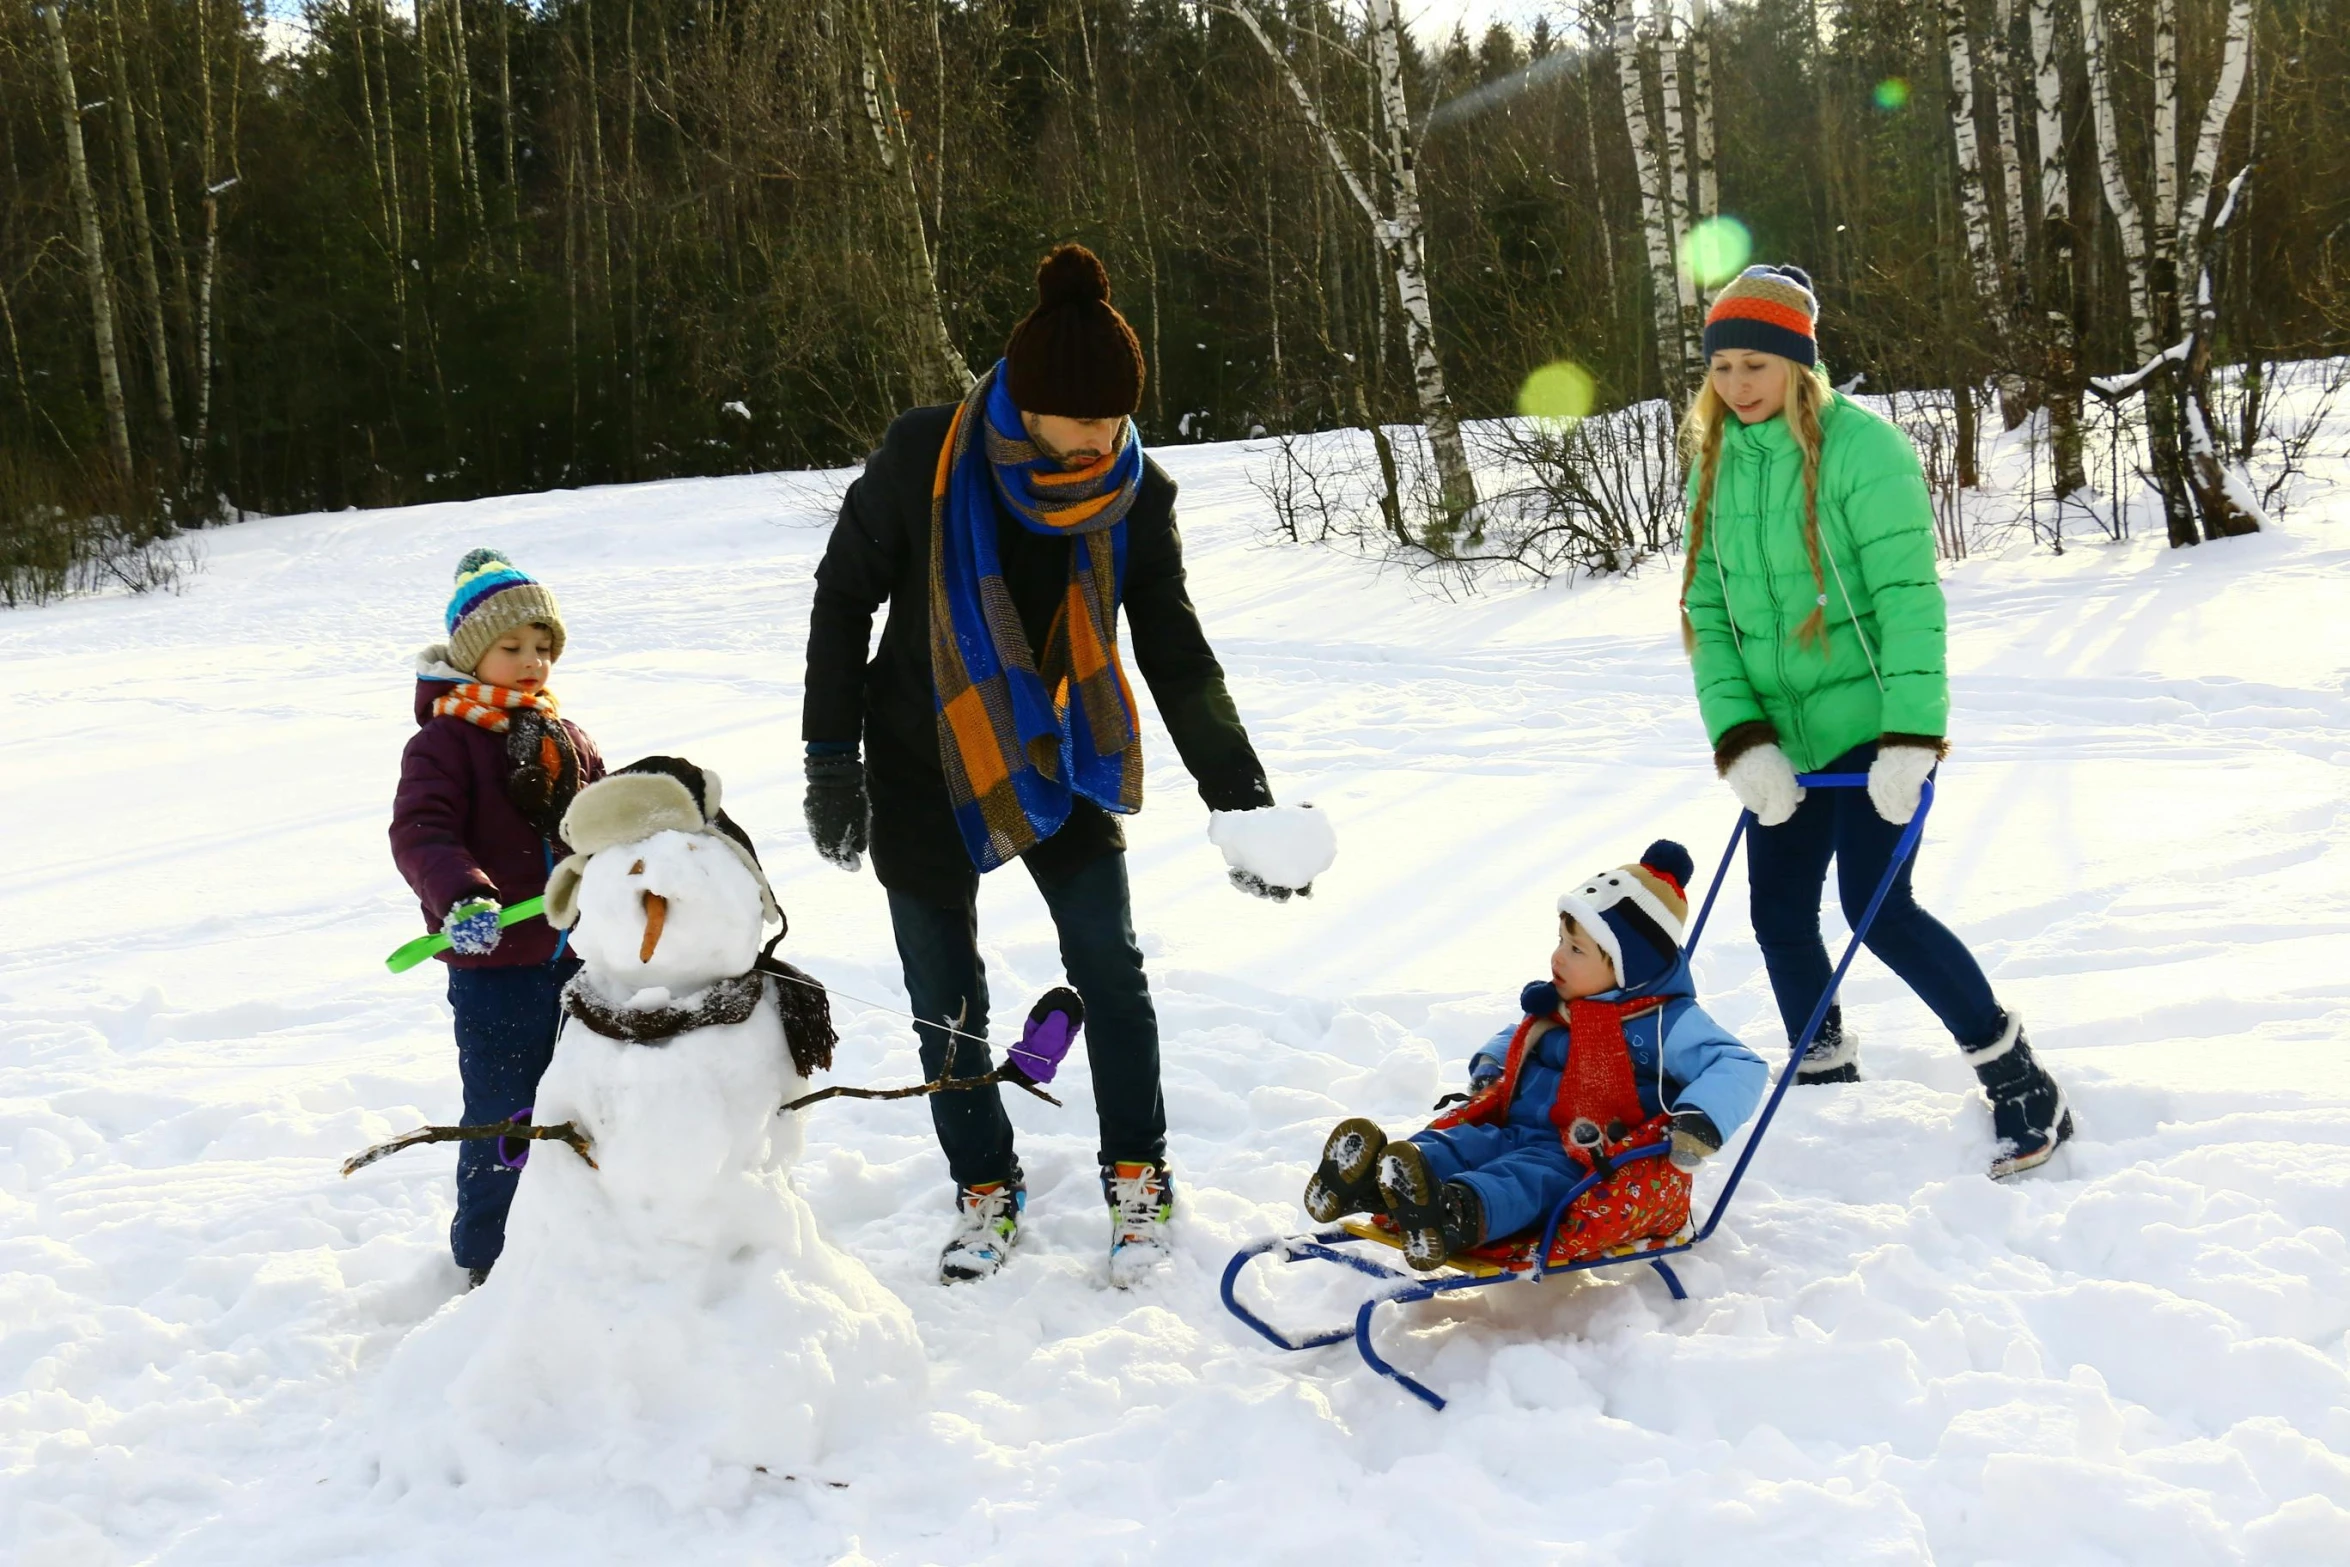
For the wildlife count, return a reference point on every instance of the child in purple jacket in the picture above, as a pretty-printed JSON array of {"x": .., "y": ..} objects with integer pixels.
[{"x": 476, "y": 825}]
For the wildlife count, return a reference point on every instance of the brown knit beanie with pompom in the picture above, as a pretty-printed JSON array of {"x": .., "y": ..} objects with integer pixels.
[{"x": 1074, "y": 355}]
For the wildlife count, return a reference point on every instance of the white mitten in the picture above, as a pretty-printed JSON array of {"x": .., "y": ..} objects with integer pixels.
[
  {"x": 1274, "y": 850},
  {"x": 1895, "y": 779},
  {"x": 1764, "y": 781}
]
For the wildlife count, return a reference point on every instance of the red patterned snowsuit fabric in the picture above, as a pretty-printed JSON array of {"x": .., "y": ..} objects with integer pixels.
[{"x": 1648, "y": 1198}]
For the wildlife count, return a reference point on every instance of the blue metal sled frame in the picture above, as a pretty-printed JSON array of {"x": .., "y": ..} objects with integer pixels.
[{"x": 1321, "y": 1246}]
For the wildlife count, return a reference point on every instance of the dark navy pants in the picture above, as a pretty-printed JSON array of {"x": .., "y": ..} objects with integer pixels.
[
  {"x": 946, "y": 980},
  {"x": 506, "y": 1024},
  {"x": 1788, "y": 870}
]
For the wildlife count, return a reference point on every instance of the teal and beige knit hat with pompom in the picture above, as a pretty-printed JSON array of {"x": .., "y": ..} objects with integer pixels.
[{"x": 492, "y": 597}]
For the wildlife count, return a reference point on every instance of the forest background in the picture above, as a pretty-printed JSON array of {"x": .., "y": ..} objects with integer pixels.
[{"x": 469, "y": 247}]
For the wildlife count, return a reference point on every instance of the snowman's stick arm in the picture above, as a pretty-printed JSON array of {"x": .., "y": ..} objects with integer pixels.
[
  {"x": 560, "y": 1132},
  {"x": 937, "y": 1085}
]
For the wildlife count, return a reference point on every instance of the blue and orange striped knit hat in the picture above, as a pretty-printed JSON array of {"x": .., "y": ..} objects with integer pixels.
[
  {"x": 1771, "y": 310},
  {"x": 492, "y": 597}
]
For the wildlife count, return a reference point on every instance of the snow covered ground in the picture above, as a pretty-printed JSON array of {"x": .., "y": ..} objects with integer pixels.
[{"x": 2141, "y": 1355}]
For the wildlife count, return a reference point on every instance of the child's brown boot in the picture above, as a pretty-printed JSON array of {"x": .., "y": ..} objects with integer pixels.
[
  {"x": 1415, "y": 1204},
  {"x": 1346, "y": 1181}
]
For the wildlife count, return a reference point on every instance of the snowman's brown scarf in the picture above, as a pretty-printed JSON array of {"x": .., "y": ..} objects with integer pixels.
[{"x": 801, "y": 1001}]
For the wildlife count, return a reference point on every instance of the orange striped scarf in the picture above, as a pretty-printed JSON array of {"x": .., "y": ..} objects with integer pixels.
[{"x": 490, "y": 706}]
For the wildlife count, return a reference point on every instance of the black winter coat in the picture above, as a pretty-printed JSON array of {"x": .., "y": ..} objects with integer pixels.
[{"x": 880, "y": 551}]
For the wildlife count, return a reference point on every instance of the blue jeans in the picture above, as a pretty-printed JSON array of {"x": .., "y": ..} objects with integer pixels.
[
  {"x": 1518, "y": 1172},
  {"x": 507, "y": 1019},
  {"x": 1787, "y": 868},
  {"x": 945, "y": 980}
]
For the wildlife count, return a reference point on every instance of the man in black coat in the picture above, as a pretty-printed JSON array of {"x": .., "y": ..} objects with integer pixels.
[{"x": 1073, "y": 370}]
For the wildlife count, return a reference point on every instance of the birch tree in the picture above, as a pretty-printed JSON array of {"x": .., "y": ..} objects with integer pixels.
[
  {"x": 2129, "y": 227},
  {"x": 1701, "y": 111},
  {"x": 1400, "y": 231},
  {"x": 2198, "y": 503},
  {"x": 1674, "y": 357},
  {"x": 1973, "y": 202},
  {"x": 1674, "y": 172},
  {"x": 2060, "y": 388},
  {"x": 142, "y": 232},
  {"x": 2014, "y": 402},
  {"x": 936, "y": 365},
  {"x": 77, "y": 158}
]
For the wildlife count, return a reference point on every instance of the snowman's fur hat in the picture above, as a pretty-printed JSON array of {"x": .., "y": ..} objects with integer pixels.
[{"x": 656, "y": 794}]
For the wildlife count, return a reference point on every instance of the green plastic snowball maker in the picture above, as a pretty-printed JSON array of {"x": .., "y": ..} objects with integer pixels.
[{"x": 423, "y": 947}]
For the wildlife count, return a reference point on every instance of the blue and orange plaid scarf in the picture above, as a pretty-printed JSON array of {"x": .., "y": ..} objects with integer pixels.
[{"x": 1021, "y": 736}]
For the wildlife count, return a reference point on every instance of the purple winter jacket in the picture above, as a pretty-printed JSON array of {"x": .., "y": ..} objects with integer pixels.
[{"x": 455, "y": 835}]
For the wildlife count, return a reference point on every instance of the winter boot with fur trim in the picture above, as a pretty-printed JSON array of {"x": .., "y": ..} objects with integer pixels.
[
  {"x": 1833, "y": 1055},
  {"x": 1347, "y": 1180},
  {"x": 2028, "y": 1112}
]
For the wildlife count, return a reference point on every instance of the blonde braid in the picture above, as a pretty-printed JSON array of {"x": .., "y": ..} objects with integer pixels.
[
  {"x": 1804, "y": 395},
  {"x": 1701, "y": 441}
]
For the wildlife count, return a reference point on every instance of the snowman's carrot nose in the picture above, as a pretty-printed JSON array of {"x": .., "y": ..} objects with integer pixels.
[{"x": 656, "y": 914}]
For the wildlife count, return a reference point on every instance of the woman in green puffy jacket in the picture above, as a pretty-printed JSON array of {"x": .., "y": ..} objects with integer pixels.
[{"x": 1815, "y": 625}]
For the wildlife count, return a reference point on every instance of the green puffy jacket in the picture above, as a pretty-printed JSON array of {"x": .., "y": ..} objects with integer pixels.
[{"x": 1880, "y": 670}]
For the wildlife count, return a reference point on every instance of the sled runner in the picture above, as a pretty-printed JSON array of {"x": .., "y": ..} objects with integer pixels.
[{"x": 1533, "y": 1258}]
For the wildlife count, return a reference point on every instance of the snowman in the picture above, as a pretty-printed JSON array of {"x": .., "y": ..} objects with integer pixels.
[{"x": 670, "y": 1314}]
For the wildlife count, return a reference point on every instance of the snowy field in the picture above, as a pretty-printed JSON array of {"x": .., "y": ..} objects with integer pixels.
[{"x": 2140, "y": 1355}]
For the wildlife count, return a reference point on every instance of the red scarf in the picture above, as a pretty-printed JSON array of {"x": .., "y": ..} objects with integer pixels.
[
  {"x": 490, "y": 706},
  {"x": 1597, "y": 1084}
]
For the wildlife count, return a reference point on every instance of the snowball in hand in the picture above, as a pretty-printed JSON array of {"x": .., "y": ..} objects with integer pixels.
[
  {"x": 1283, "y": 847},
  {"x": 1051, "y": 1029}
]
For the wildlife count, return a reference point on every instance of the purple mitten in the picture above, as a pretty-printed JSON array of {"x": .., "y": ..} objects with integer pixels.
[
  {"x": 1045, "y": 1039},
  {"x": 514, "y": 1152}
]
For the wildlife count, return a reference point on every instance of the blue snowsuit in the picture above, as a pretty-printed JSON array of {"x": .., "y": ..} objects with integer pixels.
[{"x": 1681, "y": 1060}]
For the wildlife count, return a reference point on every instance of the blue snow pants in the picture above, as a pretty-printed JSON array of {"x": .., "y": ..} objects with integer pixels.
[
  {"x": 1518, "y": 1172},
  {"x": 507, "y": 1019},
  {"x": 1787, "y": 867}
]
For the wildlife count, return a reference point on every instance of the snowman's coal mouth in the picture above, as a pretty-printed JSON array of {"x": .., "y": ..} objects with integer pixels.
[{"x": 656, "y": 916}]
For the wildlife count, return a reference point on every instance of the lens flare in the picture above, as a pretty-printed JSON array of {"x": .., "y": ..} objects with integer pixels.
[
  {"x": 1892, "y": 94},
  {"x": 1562, "y": 390},
  {"x": 1716, "y": 251}
]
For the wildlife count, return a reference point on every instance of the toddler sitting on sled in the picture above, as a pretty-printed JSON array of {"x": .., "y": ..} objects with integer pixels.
[{"x": 1613, "y": 1053}]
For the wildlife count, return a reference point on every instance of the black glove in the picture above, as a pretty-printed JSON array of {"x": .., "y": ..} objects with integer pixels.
[
  {"x": 837, "y": 812},
  {"x": 1257, "y": 887},
  {"x": 1695, "y": 1139}
]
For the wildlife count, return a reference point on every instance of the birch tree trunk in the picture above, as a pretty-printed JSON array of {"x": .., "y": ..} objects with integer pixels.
[
  {"x": 2166, "y": 266},
  {"x": 2061, "y": 390},
  {"x": 1676, "y": 183},
  {"x": 77, "y": 160},
  {"x": 2014, "y": 396},
  {"x": 2195, "y": 197},
  {"x": 2224, "y": 507},
  {"x": 2011, "y": 162},
  {"x": 2224, "y": 500},
  {"x": 1408, "y": 245},
  {"x": 1401, "y": 237},
  {"x": 932, "y": 360},
  {"x": 1701, "y": 111},
  {"x": 1672, "y": 357},
  {"x": 143, "y": 236},
  {"x": 1974, "y": 208},
  {"x": 2129, "y": 228}
]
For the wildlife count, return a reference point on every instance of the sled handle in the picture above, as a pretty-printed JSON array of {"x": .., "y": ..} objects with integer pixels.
[
  {"x": 1746, "y": 818},
  {"x": 415, "y": 952},
  {"x": 1904, "y": 849}
]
